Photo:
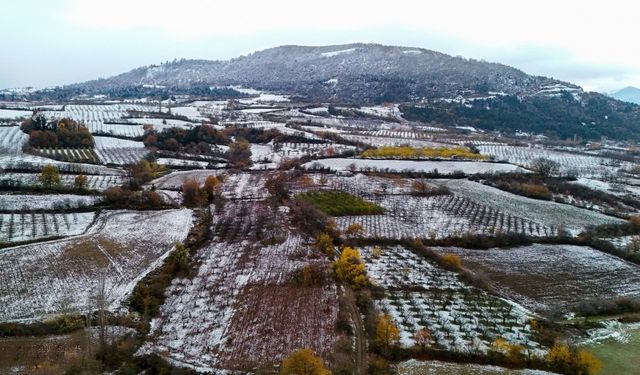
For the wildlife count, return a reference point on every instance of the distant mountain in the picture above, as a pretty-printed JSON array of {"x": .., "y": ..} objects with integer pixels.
[
  {"x": 628, "y": 94},
  {"x": 359, "y": 73}
]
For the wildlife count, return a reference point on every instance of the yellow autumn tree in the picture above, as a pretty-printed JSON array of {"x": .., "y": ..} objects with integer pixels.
[
  {"x": 387, "y": 333},
  {"x": 303, "y": 362},
  {"x": 586, "y": 363},
  {"x": 349, "y": 267},
  {"x": 500, "y": 345},
  {"x": 324, "y": 243},
  {"x": 354, "y": 230},
  {"x": 451, "y": 261},
  {"x": 80, "y": 182},
  {"x": 515, "y": 354},
  {"x": 559, "y": 355},
  {"x": 50, "y": 176},
  {"x": 211, "y": 183},
  {"x": 376, "y": 252},
  {"x": 576, "y": 361}
]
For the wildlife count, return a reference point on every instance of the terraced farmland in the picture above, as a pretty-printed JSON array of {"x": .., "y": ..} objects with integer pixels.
[
  {"x": 11, "y": 139},
  {"x": 242, "y": 289},
  {"x": 548, "y": 278},
  {"x": 570, "y": 218},
  {"x": 22, "y": 226},
  {"x": 439, "y": 217},
  {"x": 40, "y": 280},
  {"x": 119, "y": 151},
  {"x": 94, "y": 182},
  {"x": 459, "y": 317},
  {"x": 570, "y": 163},
  {"x": 72, "y": 155}
]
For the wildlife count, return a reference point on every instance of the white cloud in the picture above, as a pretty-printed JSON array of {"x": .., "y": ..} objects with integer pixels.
[
  {"x": 599, "y": 31},
  {"x": 587, "y": 33}
]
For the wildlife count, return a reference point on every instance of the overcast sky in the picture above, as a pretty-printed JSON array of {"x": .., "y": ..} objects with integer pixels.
[{"x": 53, "y": 42}]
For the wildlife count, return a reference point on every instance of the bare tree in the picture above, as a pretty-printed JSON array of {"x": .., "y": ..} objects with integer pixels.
[
  {"x": 101, "y": 306},
  {"x": 545, "y": 167}
]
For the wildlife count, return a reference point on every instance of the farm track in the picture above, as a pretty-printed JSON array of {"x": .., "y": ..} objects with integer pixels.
[{"x": 360, "y": 336}]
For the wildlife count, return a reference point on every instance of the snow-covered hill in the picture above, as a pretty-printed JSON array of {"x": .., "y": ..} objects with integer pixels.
[{"x": 354, "y": 73}]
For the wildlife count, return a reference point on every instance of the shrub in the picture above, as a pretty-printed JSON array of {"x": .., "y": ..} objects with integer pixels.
[
  {"x": 50, "y": 176},
  {"x": 451, "y": 261},
  {"x": 63, "y": 133},
  {"x": 423, "y": 189},
  {"x": 55, "y": 326},
  {"x": 354, "y": 230},
  {"x": 324, "y": 243},
  {"x": 80, "y": 182},
  {"x": 387, "y": 333},
  {"x": 239, "y": 154},
  {"x": 620, "y": 305},
  {"x": 142, "y": 172},
  {"x": 210, "y": 188},
  {"x": 350, "y": 268},
  {"x": 545, "y": 167},
  {"x": 192, "y": 196},
  {"x": 308, "y": 218},
  {"x": 303, "y": 362},
  {"x": 278, "y": 187},
  {"x": 311, "y": 275},
  {"x": 569, "y": 360},
  {"x": 122, "y": 197}
]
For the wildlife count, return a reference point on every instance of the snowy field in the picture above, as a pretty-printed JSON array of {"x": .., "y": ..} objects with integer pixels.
[
  {"x": 575, "y": 164},
  {"x": 182, "y": 163},
  {"x": 14, "y": 202},
  {"x": 35, "y": 163},
  {"x": 288, "y": 150},
  {"x": 414, "y": 367},
  {"x": 162, "y": 124},
  {"x": 245, "y": 186},
  {"x": 121, "y": 130},
  {"x": 553, "y": 277},
  {"x": 14, "y": 114},
  {"x": 265, "y": 98},
  {"x": 243, "y": 289},
  {"x": 401, "y": 134},
  {"x": 390, "y": 141},
  {"x": 192, "y": 113},
  {"x": 41, "y": 280},
  {"x": 382, "y": 111},
  {"x": 459, "y": 317},
  {"x": 553, "y": 214},
  {"x": 440, "y": 216},
  {"x": 443, "y": 167},
  {"x": 94, "y": 116},
  {"x": 94, "y": 182},
  {"x": 358, "y": 184},
  {"x": 174, "y": 180},
  {"x": 119, "y": 151},
  {"x": 11, "y": 140},
  {"x": 23, "y": 226}
]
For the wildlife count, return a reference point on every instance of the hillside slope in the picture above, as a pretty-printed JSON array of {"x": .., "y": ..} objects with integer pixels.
[
  {"x": 628, "y": 94},
  {"x": 347, "y": 73}
]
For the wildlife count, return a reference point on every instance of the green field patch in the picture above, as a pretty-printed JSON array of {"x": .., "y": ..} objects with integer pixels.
[
  {"x": 620, "y": 353},
  {"x": 339, "y": 203}
]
